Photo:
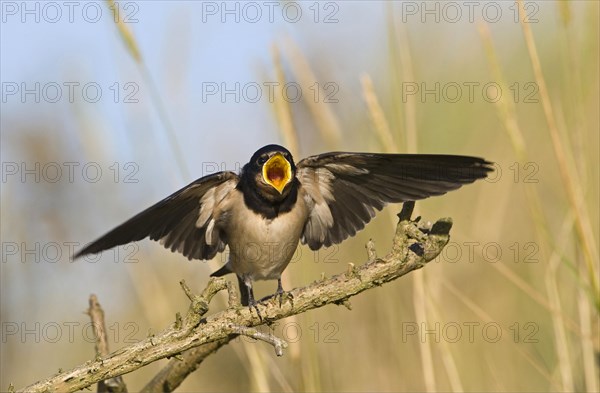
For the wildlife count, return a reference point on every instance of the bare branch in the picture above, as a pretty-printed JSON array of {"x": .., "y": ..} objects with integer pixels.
[
  {"x": 414, "y": 246},
  {"x": 269, "y": 338},
  {"x": 175, "y": 372},
  {"x": 96, "y": 313}
]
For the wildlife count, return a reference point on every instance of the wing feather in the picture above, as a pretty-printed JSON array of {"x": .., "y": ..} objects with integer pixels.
[
  {"x": 345, "y": 190},
  {"x": 181, "y": 222}
]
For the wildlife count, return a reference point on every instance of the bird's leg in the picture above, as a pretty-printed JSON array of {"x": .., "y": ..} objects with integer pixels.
[
  {"x": 281, "y": 293},
  {"x": 243, "y": 291},
  {"x": 248, "y": 296}
]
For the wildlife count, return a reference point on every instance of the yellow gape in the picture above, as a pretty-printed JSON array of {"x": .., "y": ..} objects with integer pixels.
[{"x": 277, "y": 172}]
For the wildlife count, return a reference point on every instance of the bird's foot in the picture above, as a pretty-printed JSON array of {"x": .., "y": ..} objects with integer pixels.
[
  {"x": 281, "y": 294},
  {"x": 253, "y": 305}
]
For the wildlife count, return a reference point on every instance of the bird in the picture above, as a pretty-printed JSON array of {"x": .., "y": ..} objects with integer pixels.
[{"x": 263, "y": 212}]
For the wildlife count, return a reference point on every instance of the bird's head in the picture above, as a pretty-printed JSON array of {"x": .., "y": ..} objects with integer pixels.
[{"x": 272, "y": 170}]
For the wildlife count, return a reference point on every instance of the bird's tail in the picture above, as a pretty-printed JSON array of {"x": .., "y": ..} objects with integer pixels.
[{"x": 222, "y": 271}]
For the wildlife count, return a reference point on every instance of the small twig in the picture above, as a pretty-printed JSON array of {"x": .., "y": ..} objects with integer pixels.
[
  {"x": 215, "y": 285},
  {"x": 187, "y": 290},
  {"x": 269, "y": 338},
  {"x": 233, "y": 300},
  {"x": 371, "y": 253},
  {"x": 199, "y": 304},
  {"x": 351, "y": 272},
  {"x": 96, "y": 313}
]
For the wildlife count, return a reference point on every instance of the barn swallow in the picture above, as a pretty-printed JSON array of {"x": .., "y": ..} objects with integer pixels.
[{"x": 263, "y": 212}]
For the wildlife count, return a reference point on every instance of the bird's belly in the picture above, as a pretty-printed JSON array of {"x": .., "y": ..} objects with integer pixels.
[
  {"x": 262, "y": 257},
  {"x": 260, "y": 248}
]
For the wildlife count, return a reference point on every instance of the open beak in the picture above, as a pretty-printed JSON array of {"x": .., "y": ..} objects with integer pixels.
[{"x": 277, "y": 172}]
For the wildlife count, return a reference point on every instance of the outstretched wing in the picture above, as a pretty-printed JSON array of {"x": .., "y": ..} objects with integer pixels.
[
  {"x": 345, "y": 190},
  {"x": 182, "y": 222}
]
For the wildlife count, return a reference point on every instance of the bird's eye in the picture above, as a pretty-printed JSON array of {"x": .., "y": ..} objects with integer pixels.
[{"x": 262, "y": 160}]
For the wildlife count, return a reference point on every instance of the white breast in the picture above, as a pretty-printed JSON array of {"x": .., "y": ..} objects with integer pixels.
[{"x": 260, "y": 248}]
